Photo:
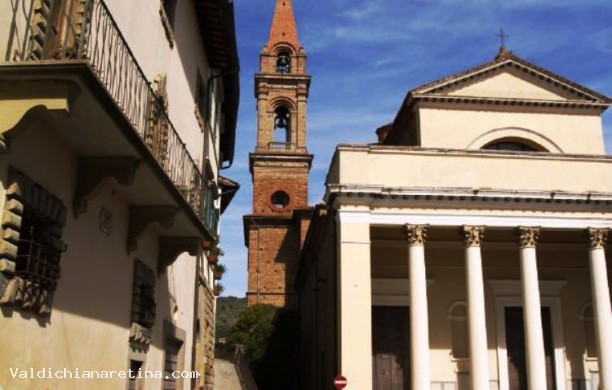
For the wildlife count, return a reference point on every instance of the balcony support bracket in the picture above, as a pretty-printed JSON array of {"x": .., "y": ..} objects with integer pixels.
[
  {"x": 93, "y": 170},
  {"x": 24, "y": 102},
  {"x": 171, "y": 247},
  {"x": 143, "y": 216}
]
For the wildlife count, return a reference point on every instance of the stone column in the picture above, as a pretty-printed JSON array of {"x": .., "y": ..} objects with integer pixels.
[
  {"x": 354, "y": 304},
  {"x": 532, "y": 311},
  {"x": 602, "y": 312},
  {"x": 419, "y": 322},
  {"x": 479, "y": 365}
]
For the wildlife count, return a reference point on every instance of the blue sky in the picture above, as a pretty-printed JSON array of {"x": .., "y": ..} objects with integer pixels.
[{"x": 364, "y": 55}]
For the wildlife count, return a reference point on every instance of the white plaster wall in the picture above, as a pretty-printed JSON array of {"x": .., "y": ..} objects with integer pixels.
[
  {"x": 442, "y": 169},
  {"x": 89, "y": 324}
]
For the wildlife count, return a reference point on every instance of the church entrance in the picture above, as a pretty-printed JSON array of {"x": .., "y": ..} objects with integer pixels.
[
  {"x": 391, "y": 347},
  {"x": 515, "y": 344}
]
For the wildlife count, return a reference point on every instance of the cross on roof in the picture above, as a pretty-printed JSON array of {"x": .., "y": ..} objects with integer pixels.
[{"x": 502, "y": 36}]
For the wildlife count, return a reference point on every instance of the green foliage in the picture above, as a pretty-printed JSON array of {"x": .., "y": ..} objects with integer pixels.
[
  {"x": 270, "y": 338},
  {"x": 228, "y": 310}
]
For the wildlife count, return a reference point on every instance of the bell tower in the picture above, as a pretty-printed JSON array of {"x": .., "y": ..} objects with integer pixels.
[{"x": 279, "y": 164}]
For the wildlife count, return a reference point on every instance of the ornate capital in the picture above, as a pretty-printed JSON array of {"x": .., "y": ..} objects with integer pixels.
[
  {"x": 528, "y": 236},
  {"x": 472, "y": 235},
  {"x": 597, "y": 238},
  {"x": 415, "y": 234}
]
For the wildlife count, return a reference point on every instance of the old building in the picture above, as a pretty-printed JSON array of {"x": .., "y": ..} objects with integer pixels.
[
  {"x": 113, "y": 133},
  {"x": 279, "y": 165},
  {"x": 467, "y": 248}
]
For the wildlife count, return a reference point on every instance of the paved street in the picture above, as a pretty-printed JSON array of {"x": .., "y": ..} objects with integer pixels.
[{"x": 226, "y": 377}]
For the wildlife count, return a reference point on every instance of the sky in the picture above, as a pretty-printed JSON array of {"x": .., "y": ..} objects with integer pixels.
[{"x": 364, "y": 55}]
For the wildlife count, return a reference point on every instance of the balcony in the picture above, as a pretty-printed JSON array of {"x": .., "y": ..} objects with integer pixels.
[{"x": 118, "y": 111}]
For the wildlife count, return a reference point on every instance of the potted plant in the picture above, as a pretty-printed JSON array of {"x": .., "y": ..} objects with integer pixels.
[
  {"x": 218, "y": 289},
  {"x": 219, "y": 270},
  {"x": 213, "y": 254},
  {"x": 207, "y": 244}
]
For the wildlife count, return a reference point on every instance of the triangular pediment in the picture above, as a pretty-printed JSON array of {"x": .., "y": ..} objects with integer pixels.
[
  {"x": 510, "y": 77},
  {"x": 506, "y": 85}
]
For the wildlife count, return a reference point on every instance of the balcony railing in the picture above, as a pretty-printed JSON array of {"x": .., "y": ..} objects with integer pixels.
[{"x": 84, "y": 30}]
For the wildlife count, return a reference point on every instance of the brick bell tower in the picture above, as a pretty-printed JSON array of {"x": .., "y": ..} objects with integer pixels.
[{"x": 279, "y": 165}]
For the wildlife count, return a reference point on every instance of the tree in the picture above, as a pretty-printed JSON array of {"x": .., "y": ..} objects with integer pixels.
[{"x": 270, "y": 339}]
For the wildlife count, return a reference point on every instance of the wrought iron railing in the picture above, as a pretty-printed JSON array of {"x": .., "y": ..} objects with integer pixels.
[{"x": 84, "y": 30}]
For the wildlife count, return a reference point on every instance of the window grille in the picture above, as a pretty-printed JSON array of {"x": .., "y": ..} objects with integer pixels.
[{"x": 143, "y": 296}]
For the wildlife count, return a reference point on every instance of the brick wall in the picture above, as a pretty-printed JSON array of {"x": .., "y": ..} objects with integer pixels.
[{"x": 273, "y": 257}]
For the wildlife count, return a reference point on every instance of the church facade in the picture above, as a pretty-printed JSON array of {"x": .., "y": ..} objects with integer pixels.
[{"x": 467, "y": 248}]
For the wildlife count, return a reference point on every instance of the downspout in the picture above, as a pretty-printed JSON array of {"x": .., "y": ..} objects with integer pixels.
[
  {"x": 210, "y": 81},
  {"x": 256, "y": 261}
]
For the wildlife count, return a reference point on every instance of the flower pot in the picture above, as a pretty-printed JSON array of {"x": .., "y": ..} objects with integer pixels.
[
  {"x": 206, "y": 245},
  {"x": 213, "y": 258},
  {"x": 217, "y": 275}
]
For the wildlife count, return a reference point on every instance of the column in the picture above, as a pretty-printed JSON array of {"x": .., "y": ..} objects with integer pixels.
[
  {"x": 354, "y": 303},
  {"x": 602, "y": 312},
  {"x": 419, "y": 321},
  {"x": 477, "y": 328},
  {"x": 532, "y": 314}
]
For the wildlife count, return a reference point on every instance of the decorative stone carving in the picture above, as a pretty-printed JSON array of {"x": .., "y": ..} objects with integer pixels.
[
  {"x": 528, "y": 236},
  {"x": 143, "y": 216},
  {"x": 140, "y": 335},
  {"x": 93, "y": 170},
  {"x": 415, "y": 234},
  {"x": 473, "y": 235},
  {"x": 597, "y": 238}
]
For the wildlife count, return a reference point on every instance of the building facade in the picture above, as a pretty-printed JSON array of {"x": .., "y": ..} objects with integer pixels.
[
  {"x": 482, "y": 263},
  {"x": 113, "y": 134},
  {"x": 279, "y": 165}
]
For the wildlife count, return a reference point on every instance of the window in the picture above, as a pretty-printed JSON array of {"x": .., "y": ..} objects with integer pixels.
[
  {"x": 171, "y": 364},
  {"x": 134, "y": 382},
  {"x": 283, "y": 62},
  {"x": 143, "y": 296},
  {"x": 201, "y": 95},
  {"x": 458, "y": 316},
  {"x": 280, "y": 200},
  {"x": 510, "y": 146},
  {"x": 589, "y": 332},
  {"x": 32, "y": 245},
  {"x": 173, "y": 355},
  {"x": 168, "y": 12}
]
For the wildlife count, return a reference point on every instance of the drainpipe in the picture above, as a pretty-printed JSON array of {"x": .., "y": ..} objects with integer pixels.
[
  {"x": 232, "y": 70},
  {"x": 256, "y": 260}
]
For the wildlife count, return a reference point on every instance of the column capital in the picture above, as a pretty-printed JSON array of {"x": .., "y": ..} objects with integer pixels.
[
  {"x": 472, "y": 235},
  {"x": 597, "y": 238},
  {"x": 528, "y": 236},
  {"x": 415, "y": 234}
]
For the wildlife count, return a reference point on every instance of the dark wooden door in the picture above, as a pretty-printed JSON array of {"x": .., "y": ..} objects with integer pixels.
[
  {"x": 515, "y": 346},
  {"x": 391, "y": 347}
]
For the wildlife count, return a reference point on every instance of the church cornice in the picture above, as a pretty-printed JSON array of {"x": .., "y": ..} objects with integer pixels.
[
  {"x": 489, "y": 199},
  {"x": 516, "y": 63},
  {"x": 505, "y": 102}
]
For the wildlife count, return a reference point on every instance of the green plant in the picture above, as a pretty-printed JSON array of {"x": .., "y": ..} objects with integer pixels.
[
  {"x": 269, "y": 336},
  {"x": 218, "y": 289},
  {"x": 219, "y": 268}
]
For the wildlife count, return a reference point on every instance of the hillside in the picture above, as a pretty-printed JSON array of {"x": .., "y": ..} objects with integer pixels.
[{"x": 228, "y": 310}]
